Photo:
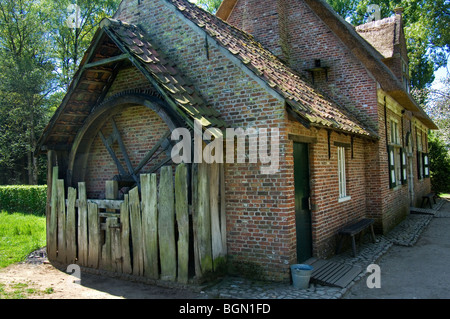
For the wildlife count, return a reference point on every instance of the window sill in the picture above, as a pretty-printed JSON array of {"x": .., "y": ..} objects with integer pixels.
[{"x": 344, "y": 199}]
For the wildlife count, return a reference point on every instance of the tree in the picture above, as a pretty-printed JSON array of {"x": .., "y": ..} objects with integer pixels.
[
  {"x": 27, "y": 78},
  {"x": 438, "y": 108},
  {"x": 426, "y": 29},
  {"x": 439, "y": 164},
  {"x": 72, "y": 28},
  {"x": 39, "y": 54}
]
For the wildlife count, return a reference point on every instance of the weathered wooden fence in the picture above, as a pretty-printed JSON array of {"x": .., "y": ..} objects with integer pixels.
[{"x": 155, "y": 233}]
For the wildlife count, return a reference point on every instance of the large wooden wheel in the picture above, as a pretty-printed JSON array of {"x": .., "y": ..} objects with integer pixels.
[{"x": 102, "y": 127}]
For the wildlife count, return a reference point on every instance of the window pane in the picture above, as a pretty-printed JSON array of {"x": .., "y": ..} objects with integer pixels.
[{"x": 341, "y": 172}]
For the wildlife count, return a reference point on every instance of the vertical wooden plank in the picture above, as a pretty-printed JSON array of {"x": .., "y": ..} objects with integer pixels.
[
  {"x": 223, "y": 212},
  {"x": 194, "y": 208},
  {"x": 204, "y": 219},
  {"x": 150, "y": 224},
  {"x": 48, "y": 208},
  {"x": 71, "y": 238},
  {"x": 94, "y": 236},
  {"x": 111, "y": 190},
  {"x": 136, "y": 232},
  {"x": 61, "y": 211},
  {"x": 52, "y": 240},
  {"x": 216, "y": 236},
  {"x": 182, "y": 213},
  {"x": 116, "y": 250},
  {"x": 125, "y": 236},
  {"x": 166, "y": 225},
  {"x": 82, "y": 225},
  {"x": 106, "y": 260}
]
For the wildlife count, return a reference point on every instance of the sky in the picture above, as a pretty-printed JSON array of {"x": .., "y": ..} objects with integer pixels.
[{"x": 440, "y": 75}]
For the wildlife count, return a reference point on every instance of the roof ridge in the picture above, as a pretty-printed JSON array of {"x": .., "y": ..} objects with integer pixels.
[{"x": 376, "y": 24}]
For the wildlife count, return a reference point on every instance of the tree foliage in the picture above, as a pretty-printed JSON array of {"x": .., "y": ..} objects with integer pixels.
[
  {"x": 437, "y": 106},
  {"x": 209, "y": 5},
  {"x": 39, "y": 53},
  {"x": 27, "y": 79},
  {"x": 439, "y": 164},
  {"x": 72, "y": 28}
]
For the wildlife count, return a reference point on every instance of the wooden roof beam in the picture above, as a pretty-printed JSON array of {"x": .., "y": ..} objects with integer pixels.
[{"x": 110, "y": 60}]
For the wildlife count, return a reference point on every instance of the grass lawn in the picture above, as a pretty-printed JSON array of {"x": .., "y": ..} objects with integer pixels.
[{"x": 20, "y": 234}]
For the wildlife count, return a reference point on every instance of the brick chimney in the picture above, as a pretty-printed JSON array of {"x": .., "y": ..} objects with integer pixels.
[{"x": 266, "y": 21}]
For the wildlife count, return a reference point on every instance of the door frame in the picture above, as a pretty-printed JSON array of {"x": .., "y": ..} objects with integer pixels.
[{"x": 306, "y": 201}]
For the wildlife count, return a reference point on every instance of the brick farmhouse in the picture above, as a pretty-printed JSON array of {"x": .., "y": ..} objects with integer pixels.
[{"x": 352, "y": 140}]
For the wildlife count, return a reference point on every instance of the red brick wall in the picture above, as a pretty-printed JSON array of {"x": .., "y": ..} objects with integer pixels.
[
  {"x": 300, "y": 38},
  {"x": 260, "y": 208},
  {"x": 328, "y": 214},
  {"x": 129, "y": 79}
]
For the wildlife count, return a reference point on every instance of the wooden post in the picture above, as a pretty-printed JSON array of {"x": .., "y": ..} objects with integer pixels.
[
  {"x": 182, "y": 213},
  {"x": 111, "y": 191},
  {"x": 149, "y": 207},
  {"x": 136, "y": 232},
  {"x": 82, "y": 225},
  {"x": 94, "y": 236},
  {"x": 204, "y": 219},
  {"x": 61, "y": 212},
  {"x": 52, "y": 240},
  {"x": 223, "y": 210},
  {"x": 216, "y": 236},
  {"x": 71, "y": 238},
  {"x": 106, "y": 261},
  {"x": 166, "y": 225},
  {"x": 194, "y": 211},
  {"x": 125, "y": 237},
  {"x": 48, "y": 209},
  {"x": 116, "y": 250}
]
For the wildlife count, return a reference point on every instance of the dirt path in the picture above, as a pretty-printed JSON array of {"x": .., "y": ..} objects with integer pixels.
[{"x": 39, "y": 280}]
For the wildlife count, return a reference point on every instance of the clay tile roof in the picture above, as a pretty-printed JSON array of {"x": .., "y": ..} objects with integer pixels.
[
  {"x": 301, "y": 96},
  {"x": 381, "y": 35},
  {"x": 189, "y": 104},
  {"x": 123, "y": 39}
]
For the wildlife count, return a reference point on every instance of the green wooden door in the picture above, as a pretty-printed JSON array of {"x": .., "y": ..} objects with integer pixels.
[{"x": 302, "y": 209}]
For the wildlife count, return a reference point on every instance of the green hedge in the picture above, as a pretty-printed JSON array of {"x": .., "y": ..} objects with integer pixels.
[{"x": 23, "y": 199}]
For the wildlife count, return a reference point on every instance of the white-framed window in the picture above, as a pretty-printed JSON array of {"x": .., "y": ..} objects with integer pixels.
[
  {"x": 423, "y": 165},
  {"x": 397, "y": 157},
  {"x": 405, "y": 76},
  {"x": 395, "y": 136},
  {"x": 342, "y": 175},
  {"x": 426, "y": 166},
  {"x": 419, "y": 142}
]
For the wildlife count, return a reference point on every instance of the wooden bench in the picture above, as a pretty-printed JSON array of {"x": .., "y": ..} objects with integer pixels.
[
  {"x": 426, "y": 199},
  {"x": 354, "y": 229}
]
